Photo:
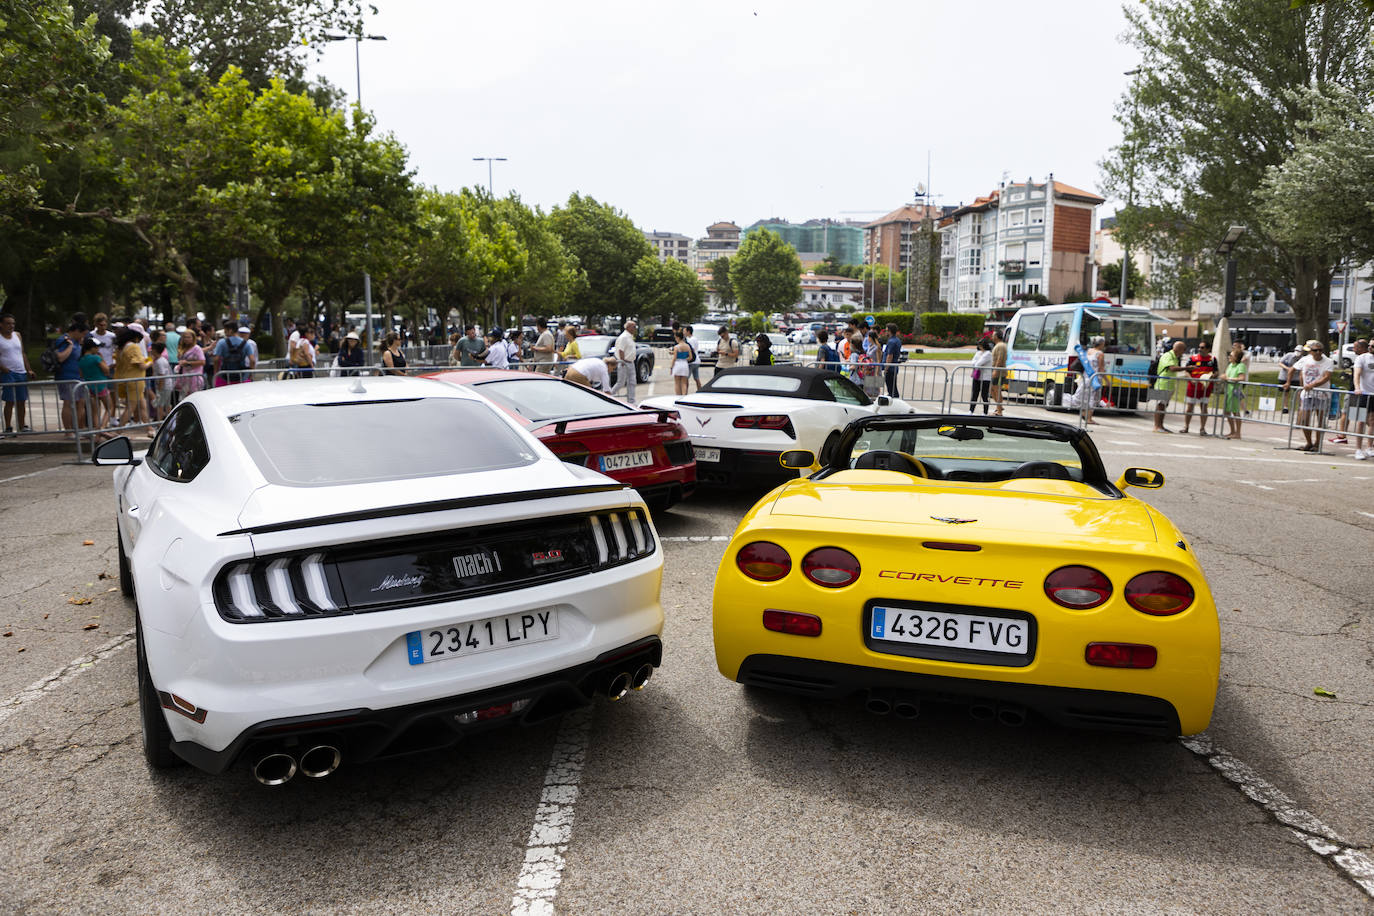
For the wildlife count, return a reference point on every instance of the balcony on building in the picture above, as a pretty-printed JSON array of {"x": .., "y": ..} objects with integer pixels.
[{"x": 1013, "y": 267}]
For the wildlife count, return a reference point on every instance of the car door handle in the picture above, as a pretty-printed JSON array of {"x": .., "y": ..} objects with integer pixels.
[{"x": 133, "y": 510}]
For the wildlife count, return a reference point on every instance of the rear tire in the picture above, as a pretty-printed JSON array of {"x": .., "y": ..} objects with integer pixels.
[
  {"x": 1052, "y": 396},
  {"x": 157, "y": 737},
  {"x": 126, "y": 572},
  {"x": 643, "y": 371}
]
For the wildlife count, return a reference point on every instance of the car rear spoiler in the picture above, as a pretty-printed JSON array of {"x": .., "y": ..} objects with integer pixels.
[{"x": 561, "y": 425}]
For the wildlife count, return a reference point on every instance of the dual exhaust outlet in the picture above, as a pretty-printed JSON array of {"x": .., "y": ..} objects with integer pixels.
[
  {"x": 882, "y": 702},
  {"x": 625, "y": 681},
  {"x": 277, "y": 768}
]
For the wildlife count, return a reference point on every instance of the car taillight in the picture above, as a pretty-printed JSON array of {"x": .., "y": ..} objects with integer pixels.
[
  {"x": 275, "y": 589},
  {"x": 1077, "y": 587},
  {"x": 764, "y": 561},
  {"x": 571, "y": 451},
  {"x": 831, "y": 567},
  {"x": 1159, "y": 594},
  {"x": 765, "y": 421},
  {"x": 792, "y": 622},
  {"x": 1120, "y": 655}
]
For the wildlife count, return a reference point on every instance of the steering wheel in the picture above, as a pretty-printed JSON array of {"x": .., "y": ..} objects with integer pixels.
[
  {"x": 885, "y": 460},
  {"x": 1043, "y": 470}
]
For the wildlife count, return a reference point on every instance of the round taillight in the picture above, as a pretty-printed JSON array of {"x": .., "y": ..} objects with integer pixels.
[
  {"x": 1077, "y": 587},
  {"x": 831, "y": 567},
  {"x": 1159, "y": 593},
  {"x": 764, "y": 561}
]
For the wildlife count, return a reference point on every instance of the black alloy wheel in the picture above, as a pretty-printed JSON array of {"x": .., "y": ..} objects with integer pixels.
[{"x": 643, "y": 371}]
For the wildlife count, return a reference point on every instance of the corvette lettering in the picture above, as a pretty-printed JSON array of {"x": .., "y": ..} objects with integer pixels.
[
  {"x": 476, "y": 564},
  {"x": 948, "y": 580}
]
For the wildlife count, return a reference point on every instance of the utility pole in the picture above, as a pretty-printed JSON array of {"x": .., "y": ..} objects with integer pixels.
[
  {"x": 1130, "y": 188},
  {"x": 495, "y": 318}
]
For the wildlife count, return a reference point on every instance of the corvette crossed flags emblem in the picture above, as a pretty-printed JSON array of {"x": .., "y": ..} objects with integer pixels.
[{"x": 952, "y": 521}]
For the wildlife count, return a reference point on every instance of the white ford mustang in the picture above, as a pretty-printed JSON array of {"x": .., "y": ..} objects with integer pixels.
[
  {"x": 339, "y": 570},
  {"x": 744, "y": 418}
]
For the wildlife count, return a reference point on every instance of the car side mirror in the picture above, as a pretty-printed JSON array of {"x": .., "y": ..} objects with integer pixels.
[
  {"x": 797, "y": 458},
  {"x": 1147, "y": 478},
  {"x": 884, "y": 400},
  {"x": 117, "y": 451}
]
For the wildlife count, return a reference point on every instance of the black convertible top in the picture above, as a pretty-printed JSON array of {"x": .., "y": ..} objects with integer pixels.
[{"x": 812, "y": 380}]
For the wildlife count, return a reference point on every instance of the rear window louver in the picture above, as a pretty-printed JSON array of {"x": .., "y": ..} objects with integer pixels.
[{"x": 383, "y": 575}]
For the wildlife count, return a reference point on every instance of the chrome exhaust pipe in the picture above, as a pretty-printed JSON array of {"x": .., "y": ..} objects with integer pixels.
[
  {"x": 320, "y": 761},
  {"x": 274, "y": 769},
  {"x": 641, "y": 677},
  {"x": 1011, "y": 716},
  {"x": 618, "y": 687},
  {"x": 907, "y": 709},
  {"x": 982, "y": 712},
  {"x": 879, "y": 702}
]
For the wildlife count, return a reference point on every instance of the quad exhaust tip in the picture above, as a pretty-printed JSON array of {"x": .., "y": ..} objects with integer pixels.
[
  {"x": 641, "y": 676},
  {"x": 320, "y": 761},
  {"x": 619, "y": 686},
  {"x": 274, "y": 769},
  {"x": 879, "y": 702}
]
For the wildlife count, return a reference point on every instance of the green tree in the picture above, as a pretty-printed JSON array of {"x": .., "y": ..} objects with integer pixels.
[
  {"x": 720, "y": 280},
  {"x": 766, "y": 272},
  {"x": 668, "y": 289},
  {"x": 1212, "y": 110},
  {"x": 607, "y": 247},
  {"x": 1109, "y": 278}
]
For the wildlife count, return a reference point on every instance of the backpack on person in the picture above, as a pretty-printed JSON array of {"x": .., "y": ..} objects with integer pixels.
[
  {"x": 48, "y": 360},
  {"x": 234, "y": 357}
]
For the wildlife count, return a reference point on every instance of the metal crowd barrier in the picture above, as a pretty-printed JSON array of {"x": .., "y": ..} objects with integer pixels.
[
  {"x": 42, "y": 406},
  {"x": 912, "y": 381}
]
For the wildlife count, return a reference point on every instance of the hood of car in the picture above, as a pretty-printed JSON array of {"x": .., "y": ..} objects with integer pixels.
[{"x": 1030, "y": 511}]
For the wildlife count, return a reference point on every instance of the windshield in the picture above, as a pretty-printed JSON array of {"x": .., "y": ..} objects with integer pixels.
[
  {"x": 1121, "y": 336},
  {"x": 595, "y": 344},
  {"x": 538, "y": 400},
  {"x": 315, "y": 445},
  {"x": 959, "y": 451}
]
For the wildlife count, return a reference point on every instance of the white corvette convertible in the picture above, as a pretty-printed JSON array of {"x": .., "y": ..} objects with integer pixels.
[
  {"x": 337, "y": 570},
  {"x": 744, "y": 418}
]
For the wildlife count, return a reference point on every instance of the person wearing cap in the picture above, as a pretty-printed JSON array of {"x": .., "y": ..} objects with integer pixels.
[
  {"x": 351, "y": 354},
  {"x": 763, "y": 356},
  {"x": 1313, "y": 372},
  {"x": 592, "y": 371},
  {"x": 250, "y": 358}
]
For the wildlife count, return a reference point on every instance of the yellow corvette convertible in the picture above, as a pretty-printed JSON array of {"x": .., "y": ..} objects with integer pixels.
[{"x": 988, "y": 562}]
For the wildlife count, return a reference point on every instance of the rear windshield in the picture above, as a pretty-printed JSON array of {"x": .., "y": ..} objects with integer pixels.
[
  {"x": 755, "y": 381},
  {"x": 538, "y": 400},
  {"x": 317, "y": 445}
]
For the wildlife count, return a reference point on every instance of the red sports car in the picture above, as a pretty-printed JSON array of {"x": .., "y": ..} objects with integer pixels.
[{"x": 645, "y": 449}]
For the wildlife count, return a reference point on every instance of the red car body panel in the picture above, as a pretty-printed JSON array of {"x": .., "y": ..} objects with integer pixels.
[{"x": 673, "y": 474}]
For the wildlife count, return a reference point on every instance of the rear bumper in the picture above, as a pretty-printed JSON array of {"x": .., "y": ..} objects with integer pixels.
[
  {"x": 743, "y": 464},
  {"x": 372, "y": 734},
  {"x": 1071, "y": 707}
]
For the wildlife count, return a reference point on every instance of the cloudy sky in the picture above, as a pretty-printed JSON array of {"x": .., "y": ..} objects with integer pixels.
[{"x": 683, "y": 114}]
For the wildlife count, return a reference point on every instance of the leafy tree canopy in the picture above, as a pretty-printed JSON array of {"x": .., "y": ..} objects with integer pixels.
[{"x": 766, "y": 272}]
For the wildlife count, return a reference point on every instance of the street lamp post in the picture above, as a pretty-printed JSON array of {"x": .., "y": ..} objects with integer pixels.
[
  {"x": 492, "y": 194},
  {"x": 358, "y": 74},
  {"x": 1130, "y": 191}
]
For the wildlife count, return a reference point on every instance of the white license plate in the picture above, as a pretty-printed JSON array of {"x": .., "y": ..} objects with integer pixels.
[
  {"x": 956, "y": 631},
  {"x": 460, "y": 639},
  {"x": 624, "y": 460},
  {"x": 706, "y": 454}
]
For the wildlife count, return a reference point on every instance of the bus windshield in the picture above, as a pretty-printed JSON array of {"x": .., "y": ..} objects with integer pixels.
[{"x": 1122, "y": 335}]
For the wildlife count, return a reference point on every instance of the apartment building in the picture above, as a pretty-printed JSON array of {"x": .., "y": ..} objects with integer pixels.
[
  {"x": 1024, "y": 237},
  {"x": 888, "y": 239},
  {"x": 817, "y": 239},
  {"x": 821, "y": 292},
  {"x": 721, "y": 240},
  {"x": 670, "y": 245}
]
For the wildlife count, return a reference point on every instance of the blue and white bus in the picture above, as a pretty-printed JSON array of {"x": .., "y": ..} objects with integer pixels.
[{"x": 1041, "y": 342}]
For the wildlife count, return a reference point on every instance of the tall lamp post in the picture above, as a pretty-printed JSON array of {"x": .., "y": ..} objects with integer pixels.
[
  {"x": 358, "y": 73},
  {"x": 1130, "y": 192},
  {"x": 492, "y": 194}
]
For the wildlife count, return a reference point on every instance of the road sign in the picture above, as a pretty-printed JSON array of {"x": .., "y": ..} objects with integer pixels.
[{"x": 870, "y": 320}]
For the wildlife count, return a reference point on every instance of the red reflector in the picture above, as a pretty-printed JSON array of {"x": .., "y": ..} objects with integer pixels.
[
  {"x": 792, "y": 622},
  {"x": 1121, "y": 655},
  {"x": 949, "y": 545},
  {"x": 494, "y": 712}
]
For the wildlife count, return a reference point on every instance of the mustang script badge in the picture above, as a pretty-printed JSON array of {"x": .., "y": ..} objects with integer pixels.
[{"x": 952, "y": 521}]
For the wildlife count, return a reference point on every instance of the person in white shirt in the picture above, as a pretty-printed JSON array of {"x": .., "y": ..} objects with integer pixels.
[
  {"x": 1362, "y": 401},
  {"x": 625, "y": 357},
  {"x": 1313, "y": 372},
  {"x": 15, "y": 372},
  {"x": 545, "y": 347},
  {"x": 592, "y": 371},
  {"x": 498, "y": 355},
  {"x": 514, "y": 345}
]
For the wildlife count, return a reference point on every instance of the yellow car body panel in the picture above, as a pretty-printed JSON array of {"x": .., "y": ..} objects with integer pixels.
[{"x": 1024, "y": 529}]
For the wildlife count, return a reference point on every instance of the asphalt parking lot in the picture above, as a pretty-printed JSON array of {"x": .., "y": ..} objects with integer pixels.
[{"x": 697, "y": 796}]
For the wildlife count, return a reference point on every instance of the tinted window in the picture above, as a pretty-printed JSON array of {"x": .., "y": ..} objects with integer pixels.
[
  {"x": 1028, "y": 332},
  {"x": 546, "y": 399},
  {"x": 1055, "y": 335},
  {"x": 180, "y": 451},
  {"x": 311, "y": 445},
  {"x": 846, "y": 392},
  {"x": 755, "y": 382}
]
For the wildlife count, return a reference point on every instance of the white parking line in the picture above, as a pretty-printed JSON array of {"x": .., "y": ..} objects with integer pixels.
[
  {"x": 30, "y": 474},
  {"x": 543, "y": 868},
  {"x": 1366, "y": 514},
  {"x": 697, "y": 537},
  {"x": 1318, "y": 837},
  {"x": 62, "y": 675}
]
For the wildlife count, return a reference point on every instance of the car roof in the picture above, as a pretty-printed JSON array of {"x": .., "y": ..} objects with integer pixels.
[{"x": 232, "y": 399}]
